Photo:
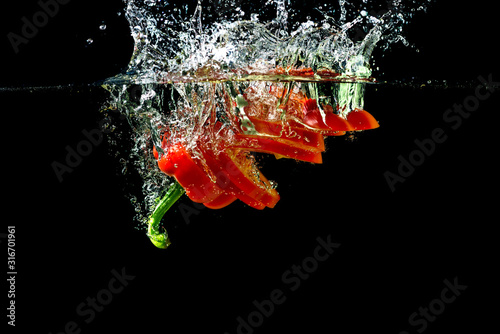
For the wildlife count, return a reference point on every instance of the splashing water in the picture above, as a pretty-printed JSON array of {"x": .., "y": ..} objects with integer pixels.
[
  {"x": 208, "y": 72},
  {"x": 180, "y": 43}
]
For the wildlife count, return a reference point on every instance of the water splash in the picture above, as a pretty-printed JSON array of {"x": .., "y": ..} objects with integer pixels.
[
  {"x": 230, "y": 42},
  {"x": 197, "y": 64}
]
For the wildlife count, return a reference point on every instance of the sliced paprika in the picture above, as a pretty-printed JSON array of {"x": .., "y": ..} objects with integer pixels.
[
  {"x": 288, "y": 125},
  {"x": 362, "y": 120},
  {"x": 177, "y": 162}
]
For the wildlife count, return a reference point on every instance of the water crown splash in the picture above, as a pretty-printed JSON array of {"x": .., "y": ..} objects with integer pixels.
[{"x": 170, "y": 47}]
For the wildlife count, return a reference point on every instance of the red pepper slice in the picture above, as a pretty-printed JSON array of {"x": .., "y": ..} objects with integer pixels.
[
  {"x": 221, "y": 201},
  {"x": 294, "y": 136},
  {"x": 177, "y": 162},
  {"x": 267, "y": 145},
  {"x": 312, "y": 116},
  {"x": 243, "y": 173},
  {"x": 332, "y": 124},
  {"x": 335, "y": 122},
  {"x": 228, "y": 177},
  {"x": 362, "y": 120}
]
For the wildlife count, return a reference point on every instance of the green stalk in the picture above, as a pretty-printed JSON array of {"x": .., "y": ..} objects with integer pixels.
[{"x": 160, "y": 238}]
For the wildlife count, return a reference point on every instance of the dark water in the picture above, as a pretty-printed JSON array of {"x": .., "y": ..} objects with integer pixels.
[{"x": 397, "y": 245}]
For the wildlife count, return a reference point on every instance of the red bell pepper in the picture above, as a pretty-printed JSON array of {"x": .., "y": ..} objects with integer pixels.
[
  {"x": 332, "y": 123},
  {"x": 228, "y": 177},
  {"x": 242, "y": 172},
  {"x": 221, "y": 201},
  {"x": 291, "y": 135},
  {"x": 223, "y": 170},
  {"x": 177, "y": 162},
  {"x": 361, "y": 120}
]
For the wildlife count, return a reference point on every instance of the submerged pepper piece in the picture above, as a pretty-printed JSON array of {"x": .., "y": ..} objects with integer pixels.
[
  {"x": 362, "y": 120},
  {"x": 291, "y": 135},
  {"x": 313, "y": 117},
  {"x": 271, "y": 146},
  {"x": 227, "y": 176},
  {"x": 331, "y": 124},
  {"x": 178, "y": 163},
  {"x": 242, "y": 171},
  {"x": 221, "y": 201}
]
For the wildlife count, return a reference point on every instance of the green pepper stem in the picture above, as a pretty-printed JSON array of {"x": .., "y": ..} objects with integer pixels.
[{"x": 160, "y": 238}]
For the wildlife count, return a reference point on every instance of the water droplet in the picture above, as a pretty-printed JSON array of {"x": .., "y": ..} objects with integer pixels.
[{"x": 102, "y": 27}]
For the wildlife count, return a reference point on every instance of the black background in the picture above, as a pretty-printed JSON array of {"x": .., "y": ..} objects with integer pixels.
[{"x": 396, "y": 249}]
